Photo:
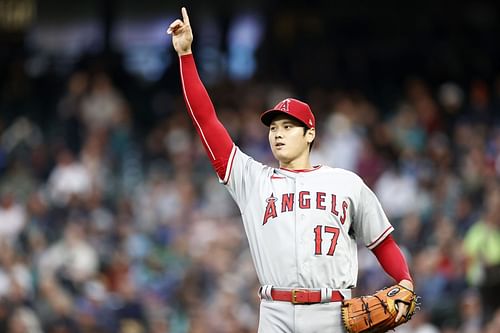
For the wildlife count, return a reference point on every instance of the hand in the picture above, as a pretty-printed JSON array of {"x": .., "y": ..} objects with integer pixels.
[
  {"x": 182, "y": 35},
  {"x": 402, "y": 307}
]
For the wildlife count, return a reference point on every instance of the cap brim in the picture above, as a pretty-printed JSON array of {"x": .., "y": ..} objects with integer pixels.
[{"x": 268, "y": 116}]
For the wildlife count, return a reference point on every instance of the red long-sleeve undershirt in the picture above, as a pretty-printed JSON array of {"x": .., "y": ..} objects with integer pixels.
[
  {"x": 392, "y": 260},
  {"x": 215, "y": 138}
]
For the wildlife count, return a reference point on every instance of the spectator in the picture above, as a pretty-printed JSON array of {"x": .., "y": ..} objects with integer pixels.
[
  {"x": 482, "y": 247},
  {"x": 12, "y": 217},
  {"x": 470, "y": 310},
  {"x": 103, "y": 106},
  {"x": 71, "y": 259},
  {"x": 70, "y": 110},
  {"x": 69, "y": 180},
  {"x": 397, "y": 192}
]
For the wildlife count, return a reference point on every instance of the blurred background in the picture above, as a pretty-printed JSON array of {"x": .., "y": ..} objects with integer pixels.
[{"x": 111, "y": 218}]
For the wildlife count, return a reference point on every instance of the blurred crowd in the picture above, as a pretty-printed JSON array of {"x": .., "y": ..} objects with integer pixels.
[{"x": 112, "y": 220}]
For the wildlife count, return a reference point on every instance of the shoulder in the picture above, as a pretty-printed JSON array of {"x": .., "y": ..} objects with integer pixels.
[
  {"x": 343, "y": 173},
  {"x": 242, "y": 160}
]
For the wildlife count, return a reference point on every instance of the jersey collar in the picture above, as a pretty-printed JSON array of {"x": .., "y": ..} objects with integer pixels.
[
  {"x": 316, "y": 167},
  {"x": 295, "y": 173}
]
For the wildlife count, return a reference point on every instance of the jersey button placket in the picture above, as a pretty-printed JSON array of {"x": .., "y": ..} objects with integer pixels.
[
  {"x": 300, "y": 238},
  {"x": 299, "y": 180}
]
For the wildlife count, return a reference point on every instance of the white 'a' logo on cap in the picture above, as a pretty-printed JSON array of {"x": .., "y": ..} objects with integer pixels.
[{"x": 284, "y": 105}]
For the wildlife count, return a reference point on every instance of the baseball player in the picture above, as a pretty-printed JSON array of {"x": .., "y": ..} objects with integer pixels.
[{"x": 302, "y": 221}]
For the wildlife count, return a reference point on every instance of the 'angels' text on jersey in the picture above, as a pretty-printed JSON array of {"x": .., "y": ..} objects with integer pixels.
[{"x": 288, "y": 202}]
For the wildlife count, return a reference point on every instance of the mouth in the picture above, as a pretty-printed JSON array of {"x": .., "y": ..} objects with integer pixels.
[{"x": 279, "y": 145}]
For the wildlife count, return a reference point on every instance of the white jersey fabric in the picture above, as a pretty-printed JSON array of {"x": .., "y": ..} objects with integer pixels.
[{"x": 302, "y": 226}]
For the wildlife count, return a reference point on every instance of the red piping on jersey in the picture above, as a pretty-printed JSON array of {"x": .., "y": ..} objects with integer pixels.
[
  {"x": 229, "y": 165},
  {"x": 302, "y": 170},
  {"x": 381, "y": 237}
]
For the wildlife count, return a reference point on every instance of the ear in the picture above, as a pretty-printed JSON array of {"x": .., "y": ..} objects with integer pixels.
[{"x": 311, "y": 135}]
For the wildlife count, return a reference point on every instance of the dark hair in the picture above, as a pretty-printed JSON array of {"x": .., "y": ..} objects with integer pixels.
[{"x": 312, "y": 142}]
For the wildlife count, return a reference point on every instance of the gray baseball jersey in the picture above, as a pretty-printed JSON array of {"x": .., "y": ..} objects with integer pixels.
[{"x": 302, "y": 226}]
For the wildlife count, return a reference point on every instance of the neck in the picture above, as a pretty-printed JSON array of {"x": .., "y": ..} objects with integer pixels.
[{"x": 301, "y": 163}]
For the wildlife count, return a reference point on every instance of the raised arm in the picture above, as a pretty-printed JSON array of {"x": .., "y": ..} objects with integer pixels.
[{"x": 214, "y": 136}]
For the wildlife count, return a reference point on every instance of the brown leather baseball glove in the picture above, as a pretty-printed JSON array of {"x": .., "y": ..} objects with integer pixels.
[{"x": 377, "y": 313}]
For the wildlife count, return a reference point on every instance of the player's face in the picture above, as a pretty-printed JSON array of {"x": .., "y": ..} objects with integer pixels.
[{"x": 289, "y": 144}]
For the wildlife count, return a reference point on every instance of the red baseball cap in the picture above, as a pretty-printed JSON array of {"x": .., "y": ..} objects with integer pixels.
[{"x": 292, "y": 107}]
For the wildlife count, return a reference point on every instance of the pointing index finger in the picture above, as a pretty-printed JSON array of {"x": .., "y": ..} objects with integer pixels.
[{"x": 185, "y": 16}]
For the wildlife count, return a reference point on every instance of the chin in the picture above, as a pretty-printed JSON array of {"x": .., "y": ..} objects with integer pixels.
[
  {"x": 282, "y": 159},
  {"x": 278, "y": 156}
]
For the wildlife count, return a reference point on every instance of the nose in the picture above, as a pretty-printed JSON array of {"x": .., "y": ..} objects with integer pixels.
[{"x": 278, "y": 133}]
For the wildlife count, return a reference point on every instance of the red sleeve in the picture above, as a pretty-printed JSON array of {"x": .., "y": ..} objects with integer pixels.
[
  {"x": 392, "y": 260},
  {"x": 215, "y": 138}
]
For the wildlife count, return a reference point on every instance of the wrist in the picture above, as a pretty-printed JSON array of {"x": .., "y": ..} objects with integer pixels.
[
  {"x": 408, "y": 284},
  {"x": 183, "y": 53}
]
